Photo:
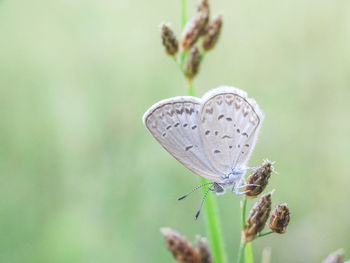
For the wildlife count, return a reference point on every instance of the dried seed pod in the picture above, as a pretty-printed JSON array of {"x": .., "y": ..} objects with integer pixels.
[
  {"x": 260, "y": 178},
  {"x": 180, "y": 247},
  {"x": 169, "y": 40},
  {"x": 192, "y": 62},
  {"x": 204, "y": 12},
  {"x": 212, "y": 33},
  {"x": 257, "y": 218},
  {"x": 195, "y": 26},
  {"x": 335, "y": 257},
  {"x": 203, "y": 249},
  {"x": 279, "y": 219}
]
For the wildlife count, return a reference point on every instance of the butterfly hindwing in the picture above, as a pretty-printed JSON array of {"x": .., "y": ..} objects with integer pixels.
[
  {"x": 229, "y": 125},
  {"x": 174, "y": 124}
]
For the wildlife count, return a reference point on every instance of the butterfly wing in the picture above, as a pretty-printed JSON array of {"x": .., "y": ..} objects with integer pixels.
[
  {"x": 229, "y": 125},
  {"x": 174, "y": 124}
]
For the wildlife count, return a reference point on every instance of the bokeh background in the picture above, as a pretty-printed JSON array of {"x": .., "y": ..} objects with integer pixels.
[{"x": 83, "y": 181}]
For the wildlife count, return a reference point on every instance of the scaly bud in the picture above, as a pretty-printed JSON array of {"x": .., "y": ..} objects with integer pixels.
[
  {"x": 180, "y": 247},
  {"x": 279, "y": 219},
  {"x": 203, "y": 250},
  {"x": 192, "y": 62},
  {"x": 169, "y": 40},
  {"x": 260, "y": 178},
  {"x": 257, "y": 218},
  {"x": 335, "y": 257},
  {"x": 204, "y": 12},
  {"x": 195, "y": 26},
  {"x": 212, "y": 33}
]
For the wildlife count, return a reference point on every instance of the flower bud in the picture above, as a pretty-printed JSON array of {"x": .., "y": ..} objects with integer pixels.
[
  {"x": 335, "y": 257},
  {"x": 212, "y": 33},
  {"x": 204, "y": 12},
  {"x": 260, "y": 178},
  {"x": 279, "y": 219},
  {"x": 192, "y": 62},
  {"x": 169, "y": 40},
  {"x": 195, "y": 26},
  {"x": 203, "y": 249},
  {"x": 257, "y": 218},
  {"x": 180, "y": 247}
]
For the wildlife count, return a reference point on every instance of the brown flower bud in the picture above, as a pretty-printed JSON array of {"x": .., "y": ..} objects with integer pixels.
[
  {"x": 195, "y": 26},
  {"x": 257, "y": 218},
  {"x": 260, "y": 178},
  {"x": 204, "y": 12},
  {"x": 335, "y": 257},
  {"x": 180, "y": 247},
  {"x": 212, "y": 33},
  {"x": 192, "y": 62},
  {"x": 203, "y": 250},
  {"x": 169, "y": 40},
  {"x": 279, "y": 219}
]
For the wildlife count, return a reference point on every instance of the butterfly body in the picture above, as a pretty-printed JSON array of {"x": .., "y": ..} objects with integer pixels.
[{"x": 212, "y": 136}]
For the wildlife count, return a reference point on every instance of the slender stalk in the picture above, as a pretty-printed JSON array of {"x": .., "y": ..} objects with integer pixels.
[
  {"x": 248, "y": 253},
  {"x": 183, "y": 23},
  {"x": 211, "y": 214},
  {"x": 241, "y": 251},
  {"x": 243, "y": 213},
  {"x": 210, "y": 206},
  {"x": 242, "y": 244},
  {"x": 264, "y": 234}
]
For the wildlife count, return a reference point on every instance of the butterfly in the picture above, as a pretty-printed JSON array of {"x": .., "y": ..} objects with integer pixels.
[{"x": 212, "y": 136}]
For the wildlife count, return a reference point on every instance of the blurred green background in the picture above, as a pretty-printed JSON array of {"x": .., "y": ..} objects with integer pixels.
[{"x": 83, "y": 181}]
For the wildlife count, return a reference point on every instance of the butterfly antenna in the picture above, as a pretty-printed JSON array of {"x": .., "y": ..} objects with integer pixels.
[
  {"x": 182, "y": 197},
  {"x": 200, "y": 207}
]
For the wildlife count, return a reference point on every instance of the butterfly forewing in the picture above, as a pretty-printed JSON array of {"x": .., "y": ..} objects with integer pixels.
[
  {"x": 174, "y": 124},
  {"x": 229, "y": 124}
]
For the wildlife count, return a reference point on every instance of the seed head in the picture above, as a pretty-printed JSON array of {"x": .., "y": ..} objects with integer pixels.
[
  {"x": 212, "y": 33},
  {"x": 180, "y": 247},
  {"x": 195, "y": 26},
  {"x": 259, "y": 177},
  {"x": 279, "y": 219},
  {"x": 192, "y": 62},
  {"x": 203, "y": 250},
  {"x": 257, "y": 218},
  {"x": 204, "y": 12},
  {"x": 169, "y": 40},
  {"x": 335, "y": 257}
]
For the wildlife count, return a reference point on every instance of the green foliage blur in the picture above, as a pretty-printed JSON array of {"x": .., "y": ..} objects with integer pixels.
[{"x": 82, "y": 180}]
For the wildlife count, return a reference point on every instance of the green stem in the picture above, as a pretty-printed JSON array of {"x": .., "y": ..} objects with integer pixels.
[
  {"x": 183, "y": 23},
  {"x": 243, "y": 244},
  {"x": 213, "y": 227},
  {"x": 211, "y": 215},
  {"x": 216, "y": 241},
  {"x": 243, "y": 212},
  {"x": 264, "y": 234},
  {"x": 241, "y": 251},
  {"x": 190, "y": 88},
  {"x": 248, "y": 253}
]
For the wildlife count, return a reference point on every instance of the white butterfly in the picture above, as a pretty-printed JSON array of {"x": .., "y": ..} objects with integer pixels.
[{"x": 213, "y": 136}]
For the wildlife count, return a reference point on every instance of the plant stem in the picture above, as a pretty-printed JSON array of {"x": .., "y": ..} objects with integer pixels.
[
  {"x": 241, "y": 251},
  {"x": 210, "y": 206},
  {"x": 248, "y": 253},
  {"x": 183, "y": 23},
  {"x": 213, "y": 227},
  {"x": 211, "y": 214},
  {"x": 243, "y": 244},
  {"x": 243, "y": 212},
  {"x": 264, "y": 234}
]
